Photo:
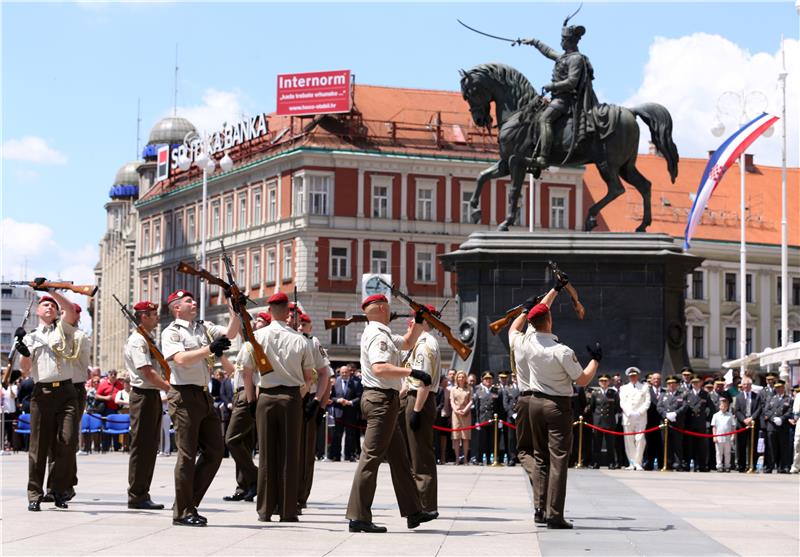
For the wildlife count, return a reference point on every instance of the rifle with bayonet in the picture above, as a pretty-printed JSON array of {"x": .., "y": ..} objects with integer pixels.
[
  {"x": 336, "y": 322},
  {"x": 13, "y": 352},
  {"x": 44, "y": 284},
  {"x": 151, "y": 345},
  {"x": 461, "y": 349},
  {"x": 580, "y": 311}
]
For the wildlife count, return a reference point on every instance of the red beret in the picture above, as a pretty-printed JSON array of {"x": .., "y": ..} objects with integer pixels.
[
  {"x": 265, "y": 316},
  {"x": 78, "y": 309},
  {"x": 279, "y": 298},
  {"x": 178, "y": 294},
  {"x": 48, "y": 299},
  {"x": 145, "y": 306},
  {"x": 373, "y": 299},
  {"x": 537, "y": 310},
  {"x": 304, "y": 318}
]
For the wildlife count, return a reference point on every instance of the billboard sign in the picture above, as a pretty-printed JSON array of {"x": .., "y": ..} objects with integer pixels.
[
  {"x": 162, "y": 163},
  {"x": 302, "y": 94}
]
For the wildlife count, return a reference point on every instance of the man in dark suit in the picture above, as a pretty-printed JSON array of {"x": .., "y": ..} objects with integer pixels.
[
  {"x": 672, "y": 407},
  {"x": 777, "y": 412},
  {"x": 749, "y": 407},
  {"x": 696, "y": 418},
  {"x": 345, "y": 397},
  {"x": 653, "y": 440},
  {"x": 603, "y": 407},
  {"x": 510, "y": 395},
  {"x": 486, "y": 396}
]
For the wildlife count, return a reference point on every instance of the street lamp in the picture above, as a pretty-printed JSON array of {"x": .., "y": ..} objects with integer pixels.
[
  {"x": 739, "y": 103},
  {"x": 206, "y": 163}
]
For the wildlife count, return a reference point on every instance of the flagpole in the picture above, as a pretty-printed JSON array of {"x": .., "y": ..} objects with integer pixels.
[
  {"x": 784, "y": 368},
  {"x": 742, "y": 269}
]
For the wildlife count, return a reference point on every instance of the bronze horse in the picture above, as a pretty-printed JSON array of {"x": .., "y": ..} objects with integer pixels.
[{"x": 516, "y": 106}]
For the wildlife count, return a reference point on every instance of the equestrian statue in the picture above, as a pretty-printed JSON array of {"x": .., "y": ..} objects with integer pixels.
[{"x": 570, "y": 128}]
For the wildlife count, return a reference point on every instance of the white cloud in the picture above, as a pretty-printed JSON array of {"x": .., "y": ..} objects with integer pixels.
[
  {"x": 32, "y": 149},
  {"x": 218, "y": 107},
  {"x": 688, "y": 74},
  {"x": 31, "y": 250},
  {"x": 25, "y": 175}
]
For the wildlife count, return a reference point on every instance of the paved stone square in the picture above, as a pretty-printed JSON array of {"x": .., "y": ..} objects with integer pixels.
[{"x": 484, "y": 511}]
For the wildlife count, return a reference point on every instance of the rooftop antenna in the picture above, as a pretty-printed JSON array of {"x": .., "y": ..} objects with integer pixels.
[
  {"x": 138, "y": 124},
  {"x": 175, "y": 104}
]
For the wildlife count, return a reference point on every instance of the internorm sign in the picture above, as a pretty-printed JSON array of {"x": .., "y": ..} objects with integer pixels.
[{"x": 314, "y": 93}]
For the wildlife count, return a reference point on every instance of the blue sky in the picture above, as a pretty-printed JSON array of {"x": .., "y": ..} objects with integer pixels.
[{"x": 72, "y": 74}]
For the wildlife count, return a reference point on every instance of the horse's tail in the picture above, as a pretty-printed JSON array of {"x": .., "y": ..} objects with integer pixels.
[{"x": 659, "y": 121}]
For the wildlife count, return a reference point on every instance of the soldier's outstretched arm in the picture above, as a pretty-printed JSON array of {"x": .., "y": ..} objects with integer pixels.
[{"x": 543, "y": 48}]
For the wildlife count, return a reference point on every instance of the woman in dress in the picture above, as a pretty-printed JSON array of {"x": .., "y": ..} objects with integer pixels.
[{"x": 461, "y": 403}]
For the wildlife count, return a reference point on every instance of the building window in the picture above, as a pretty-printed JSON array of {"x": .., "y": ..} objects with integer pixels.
[
  {"x": 748, "y": 288},
  {"x": 212, "y": 290},
  {"x": 145, "y": 289},
  {"x": 424, "y": 203},
  {"x": 338, "y": 334},
  {"x": 379, "y": 261},
  {"x": 380, "y": 202},
  {"x": 271, "y": 266},
  {"x": 241, "y": 270},
  {"x": 698, "y": 341},
  {"x": 167, "y": 289},
  {"x": 191, "y": 235},
  {"x": 168, "y": 231},
  {"x": 242, "y": 211},
  {"x": 157, "y": 236},
  {"x": 272, "y": 203},
  {"x": 796, "y": 336},
  {"x": 287, "y": 262},
  {"x": 255, "y": 271},
  {"x": 748, "y": 341},
  {"x": 340, "y": 266},
  {"x": 215, "y": 229},
  {"x": 156, "y": 289},
  {"x": 466, "y": 196},
  {"x": 424, "y": 266},
  {"x": 697, "y": 285},
  {"x": 299, "y": 201},
  {"x": 318, "y": 195},
  {"x": 229, "y": 215},
  {"x": 730, "y": 343},
  {"x": 179, "y": 235},
  {"x": 730, "y": 287},
  {"x": 7, "y": 293},
  {"x": 795, "y": 292},
  {"x": 146, "y": 239},
  {"x": 780, "y": 290},
  {"x": 5, "y": 315},
  {"x": 257, "y": 208},
  {"x": 558, "y": 211}
]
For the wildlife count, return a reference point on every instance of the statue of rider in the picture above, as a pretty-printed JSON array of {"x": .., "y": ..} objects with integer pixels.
[{"x": 571, "y": 90}]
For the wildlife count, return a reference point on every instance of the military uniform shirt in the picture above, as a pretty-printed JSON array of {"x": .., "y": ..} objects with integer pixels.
[
  {"x": 425, "y": 356},
  {"x": 521, "y": 364},
  {"x": 47, "y": 343},
  {"x": 182, "y": 336},
  {"x": 79, "y": 364},
  {"x": 553, "y": 366},
  {"x": 379, "y": 345},
  {"x": 137, "y": 355},
  {"x": 287, "y": 350}
]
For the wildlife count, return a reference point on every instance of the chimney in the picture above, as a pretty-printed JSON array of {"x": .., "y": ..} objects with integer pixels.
[
  {"x": 749, "y": 163},
  {"x": 711, "y": 153}
]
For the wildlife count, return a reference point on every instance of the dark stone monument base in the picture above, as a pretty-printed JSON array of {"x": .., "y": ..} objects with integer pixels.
[{"x": 632, "y": 286}]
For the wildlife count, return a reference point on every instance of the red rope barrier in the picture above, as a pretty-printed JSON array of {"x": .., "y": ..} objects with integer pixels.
[
  {"x": 707, "y": 435},
  {"x": 512, "y": 426},
  {"x": 351, "y": 426},
  {"x": 476, "y": 426},
  {"x": 622, "y": 432}
]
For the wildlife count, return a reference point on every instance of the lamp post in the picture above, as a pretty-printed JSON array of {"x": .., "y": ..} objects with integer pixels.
[
  {"x": 739, "y": 103},
  {"x": 206, "y": 162}
]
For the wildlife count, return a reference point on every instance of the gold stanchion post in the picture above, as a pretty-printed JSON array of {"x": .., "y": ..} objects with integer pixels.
[
  {"x": 496, "y": 461},
  {"x": 751, "y": 469},
  {"x": 665, "y": 433},
  {"x": 579, "y": 464}
]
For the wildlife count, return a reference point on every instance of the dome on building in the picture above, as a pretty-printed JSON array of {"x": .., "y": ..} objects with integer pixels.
[{"x": 170, "y": 130}]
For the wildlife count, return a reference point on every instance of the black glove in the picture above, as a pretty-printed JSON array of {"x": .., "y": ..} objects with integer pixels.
[
  {"x": 421, "y": 375},
  {"x": 596, "y": 353},
  {"x": 22, "y": 349},
  {"x": 37, "y": 283},
  {"x": 19, "y": 334},
  {"x": 219, "y": 346},
  {"x": 413, "y": 423},
  {"x": 561, "y": 281},
  {"x": 320, "y": 415},
  {"x": 251, "y": 408},
  {"x": 311, "y": 409},
  {"x": 530, "y": 302},
  {"x": 418, "y": 316}
]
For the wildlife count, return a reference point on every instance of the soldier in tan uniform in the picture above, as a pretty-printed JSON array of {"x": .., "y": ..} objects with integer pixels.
[
  {"x": 189, "y": 346},
  {"x": 279, "y": 411},
  {"x": 418, "y": 414},
  {"x": 145, "y": 409},
  {"x": 382, "y": 378},
  {"x": 312, "y": 410},
  {"x": 240, "y": 435},
  {"x": 53, "y": 402}
]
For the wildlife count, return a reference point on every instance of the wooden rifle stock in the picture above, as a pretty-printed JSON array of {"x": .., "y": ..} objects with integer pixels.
[
  {"x": 85, "y": 289},
  {"x": 151, "y": 345},
  {"x": 203, "y": 274},
  {"x": 336, "y": 322},
  {"x": 503, "y": 322}
]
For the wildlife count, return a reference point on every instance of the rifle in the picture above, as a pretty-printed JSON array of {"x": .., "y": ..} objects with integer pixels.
[
  {"x": 580, "y": 311},
  {"x": 154, "y": 351},
  {"x": 13, "y": 352},
  {"x": 239, "y": 302},
  {"x": 462, "y": 349},
  {"x": 502, "y": 323},
  {"x": 336, "y": 322},
  {"x": 86, "y": 290}
]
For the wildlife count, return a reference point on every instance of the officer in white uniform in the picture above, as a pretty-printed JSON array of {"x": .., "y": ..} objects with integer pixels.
[{"x": 634, "y": 400}]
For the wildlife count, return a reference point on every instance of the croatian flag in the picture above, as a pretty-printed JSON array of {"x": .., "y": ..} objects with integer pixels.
[{"x": 723, "y": 159}]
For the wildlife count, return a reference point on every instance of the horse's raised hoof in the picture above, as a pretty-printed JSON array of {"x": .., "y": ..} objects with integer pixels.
[
  {"x": 503, "y": 226},
  {"x": 641, "y": 228},
  {"x": 475, "y": 216},
  {"x": 590, "y": 223}
]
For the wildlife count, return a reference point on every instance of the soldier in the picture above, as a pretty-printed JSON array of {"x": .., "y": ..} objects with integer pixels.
[
  {"x": 279, "y": 410},
  {"x": 634, "y": 399},
  {"x": 510, "y": 394},
  {"x": 189, "y": 346},
  {"x": 686, "y": 379},
  {"x": 769, "y": 390},
  {"x": 777, "y": 412},
  {"x": 603, "y": 406},
  {"x": 53, "y": 402},
  {"x": 418, "y": 413},
  {"x": 672, "y": 407},
  {"x": 766, "y": 393},
  {"x": 571, "y": 89},
  {"x": 313, "y": 412},
  {"x": 696, "y": 420},
  {"x": 486, "y": 396},
  {"x": 748, "y": 411},
  {"x": 145, "y": 409},
  {"x": 240, "y": 435},
  {"x": 382, "y": 377}
]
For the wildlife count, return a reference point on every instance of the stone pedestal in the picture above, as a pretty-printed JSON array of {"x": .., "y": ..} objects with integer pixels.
[{"x": 632, "y": 286}]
